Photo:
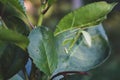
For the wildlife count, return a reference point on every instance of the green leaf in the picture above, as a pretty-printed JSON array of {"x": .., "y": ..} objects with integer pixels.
[
  {"x": 17, "y": 4},
  {"x": 87, "y": 38},
  {"x": 2, "y": 48},
  {"x": 86, "y": 16},
  {"x": 16, "y": 77},
  {"x": 42, "y": 49},
  {"x": 50, "y": 2},
  {"x": 13, "y": 20},
  {"x": 12, "y": 36},
  {"x": 16, "y": 24},
  {"x": 81, "y": 57},
  {"x": 2, "y": 24},
  {"x": 67, "y": 41},
  {"x": 13, "y": 59}
]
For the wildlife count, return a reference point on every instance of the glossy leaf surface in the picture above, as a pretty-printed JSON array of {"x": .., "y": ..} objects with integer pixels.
[
  {"x": 42, "y": 49},
  {"x": 81, "y": 57}
]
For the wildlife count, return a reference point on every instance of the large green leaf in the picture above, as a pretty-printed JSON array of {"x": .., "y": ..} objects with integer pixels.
[
  {"x": 86, "y": 16},
  {"x": 17, "y": 4},
  {"x": 12, "y": 60},
  {"x": 81, "y": 57},
  {"x": 12, "y": 36},
  {"x": 13, "y": 20},
  {"x": 42, "y": 49}
]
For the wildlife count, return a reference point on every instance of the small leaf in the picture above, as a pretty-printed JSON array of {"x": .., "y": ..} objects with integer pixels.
[
  {"x": 14, "y": 37},
  {"x": 66, "y": 50},
  {"x": 42, "y": 49},
  {"x": 87, "y": 38},
  {"x": 86, "y": 16}
]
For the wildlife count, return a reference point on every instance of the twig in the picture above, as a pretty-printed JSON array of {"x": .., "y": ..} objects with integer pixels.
[
  {"x": 69, "y": 72},
  {"x": 25, "y": 74},
  {"x": 31, "y": 25},
  {"x": 32, "y": 74},
  {"x": 45, "y": 10}
]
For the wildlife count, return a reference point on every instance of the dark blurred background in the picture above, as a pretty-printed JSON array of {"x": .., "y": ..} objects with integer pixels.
[{"x": 110, "y": 70}]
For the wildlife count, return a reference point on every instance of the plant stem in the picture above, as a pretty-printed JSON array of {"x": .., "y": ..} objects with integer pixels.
[
  {"x": 31, "y": 25},
  {"x": 43, "y": 10},
  {"x": 69, "y": 72},
  {"x": 3, "y": 24},
  {"x": 32, "y": 74},
  {"x": 40, "y": 20},
  {"x": 25, "y": 74}
]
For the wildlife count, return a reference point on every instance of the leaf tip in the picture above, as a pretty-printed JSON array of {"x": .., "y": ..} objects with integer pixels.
[{"x": 112, "y": 5}]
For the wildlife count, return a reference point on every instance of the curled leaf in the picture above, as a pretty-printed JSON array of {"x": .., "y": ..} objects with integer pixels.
[{"x": 87, "y": 38}]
